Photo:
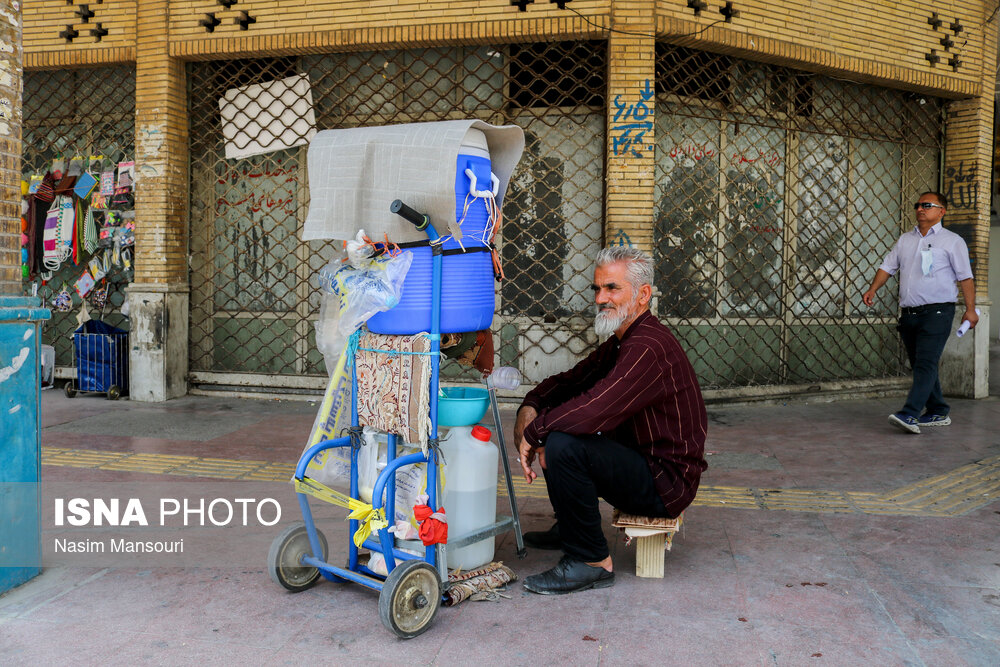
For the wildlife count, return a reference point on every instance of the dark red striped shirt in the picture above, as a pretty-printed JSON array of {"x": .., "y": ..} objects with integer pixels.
[{"x": 641, "y": 392}]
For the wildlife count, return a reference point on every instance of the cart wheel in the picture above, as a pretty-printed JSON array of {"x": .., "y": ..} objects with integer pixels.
[
  {"x": 69, "y": 389},
  {"x": 114, "y": 392},
  {"x": 410, "y": 598},
  {"x": 285, "y": 557}
]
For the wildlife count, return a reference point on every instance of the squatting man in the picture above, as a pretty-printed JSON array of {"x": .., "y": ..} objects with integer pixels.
[{"x": 626, "y": 424}]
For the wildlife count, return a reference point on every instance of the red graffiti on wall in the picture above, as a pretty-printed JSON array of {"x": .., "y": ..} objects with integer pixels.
[
  {"x": 260, "y": 202},
  {"x": 770, "y": 158},
  {"x": 233, "y": 176},
  {"x": 696, "y": 151}
]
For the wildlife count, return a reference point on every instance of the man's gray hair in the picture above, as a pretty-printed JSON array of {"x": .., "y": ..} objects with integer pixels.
[{"x": 639, "y": 266}]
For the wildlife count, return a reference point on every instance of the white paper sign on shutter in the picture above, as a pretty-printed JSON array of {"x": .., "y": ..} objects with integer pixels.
[{"x": 267, "y": 117}]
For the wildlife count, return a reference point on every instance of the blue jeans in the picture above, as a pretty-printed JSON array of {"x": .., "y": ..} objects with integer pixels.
[{"x": 924, "y": 334}]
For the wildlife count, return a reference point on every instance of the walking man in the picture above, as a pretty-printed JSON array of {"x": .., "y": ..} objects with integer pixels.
[{"x": 930, "y": 260}]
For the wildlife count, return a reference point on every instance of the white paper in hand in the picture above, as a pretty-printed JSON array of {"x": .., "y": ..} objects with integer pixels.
[{"x": 965, "y": 326}]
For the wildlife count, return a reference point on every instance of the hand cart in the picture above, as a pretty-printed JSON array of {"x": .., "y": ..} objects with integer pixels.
[
  {"x": 409, "y": 597},
  {"x": 100, "y": 353}
]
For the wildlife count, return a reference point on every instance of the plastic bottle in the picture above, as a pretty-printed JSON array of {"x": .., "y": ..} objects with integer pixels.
[
  {"x": 470, "y": 492},
  {"x": 505, "y": 377}
]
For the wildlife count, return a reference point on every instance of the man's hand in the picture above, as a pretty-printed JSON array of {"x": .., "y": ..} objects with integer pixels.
[
  {"x": 881, "y": 278},
  {"x": 525, "y": 415},
  {"x": 526, "y": 456},
  {"x": 968, "y": 289}
]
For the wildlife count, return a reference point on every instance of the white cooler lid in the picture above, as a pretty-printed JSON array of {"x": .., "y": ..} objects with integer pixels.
[{"x": 474, "y": 143}]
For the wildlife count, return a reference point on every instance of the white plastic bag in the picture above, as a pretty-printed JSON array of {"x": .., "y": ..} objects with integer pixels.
[
  {"x": 353, "y": 291},
  {"x": 364, "y": 292},
  {"x": 368, "y": 463},
  {"x": 376, "y": 561},
  {"x": 351, "y": 294},
  {"x": 329, "y": 341},
  {"x": 332, "y": 466}
]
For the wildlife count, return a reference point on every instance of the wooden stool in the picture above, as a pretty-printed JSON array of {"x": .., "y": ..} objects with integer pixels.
[{"x": 653, "y": 537}]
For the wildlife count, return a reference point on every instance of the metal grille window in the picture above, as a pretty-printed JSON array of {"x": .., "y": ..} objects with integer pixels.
[
  {"x": 253, "y": 299},
  {"x": 778, "y": 194},
  {"x": 68, "y": 113}
]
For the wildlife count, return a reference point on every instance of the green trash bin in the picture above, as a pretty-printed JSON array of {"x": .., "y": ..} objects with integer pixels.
[{"x": 20, "y": 446}]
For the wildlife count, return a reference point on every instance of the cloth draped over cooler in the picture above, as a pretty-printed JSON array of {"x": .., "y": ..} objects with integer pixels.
[{"x": 356, "y": 173}]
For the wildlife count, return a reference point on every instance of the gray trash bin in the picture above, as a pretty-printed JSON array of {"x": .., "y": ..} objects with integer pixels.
[{"x": 20, "y": 448}]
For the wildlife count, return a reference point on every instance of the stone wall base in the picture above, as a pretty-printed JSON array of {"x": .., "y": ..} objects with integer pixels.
[
  {"x": 158, "y": 359},
  {"x": 965, "y": 363}
]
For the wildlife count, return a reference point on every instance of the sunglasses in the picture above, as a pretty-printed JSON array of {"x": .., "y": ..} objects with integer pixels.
[{"x": 925, "y": 205}]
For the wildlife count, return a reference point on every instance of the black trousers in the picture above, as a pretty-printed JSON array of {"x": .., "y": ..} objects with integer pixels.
[
  {"x": 582, "y": 469},
  {"x": 924, "y": 332}
]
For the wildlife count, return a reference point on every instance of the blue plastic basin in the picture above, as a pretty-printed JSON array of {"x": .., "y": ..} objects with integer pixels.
[{"x": 462, "y": 406}]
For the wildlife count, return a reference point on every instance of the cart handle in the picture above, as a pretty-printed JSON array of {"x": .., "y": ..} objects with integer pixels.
[
  {"x": 389, "y": 471},
  {"x": 418, "y": 220},
  {"x": 307, "y": 457}
]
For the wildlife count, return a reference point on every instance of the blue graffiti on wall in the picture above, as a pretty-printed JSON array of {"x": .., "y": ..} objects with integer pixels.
[
  {"x": 630, "y": 126},
  {"x": 621, "y": 239}
]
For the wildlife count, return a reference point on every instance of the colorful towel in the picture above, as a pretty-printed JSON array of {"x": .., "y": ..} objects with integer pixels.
[
  {"x": 57, "y": 235},
  {"x": 393, "y": 385}
]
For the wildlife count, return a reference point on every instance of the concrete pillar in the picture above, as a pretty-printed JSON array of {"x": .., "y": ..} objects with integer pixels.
[
  {"x": 967, "y": 182},
  {"x": 631, "y": 124},
  {"x": 11, "y": 82},
  {"x": 158, "y": 299}
]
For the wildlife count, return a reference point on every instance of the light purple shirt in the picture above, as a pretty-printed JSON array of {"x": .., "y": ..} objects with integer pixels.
[{"x": 949, "y": 264}]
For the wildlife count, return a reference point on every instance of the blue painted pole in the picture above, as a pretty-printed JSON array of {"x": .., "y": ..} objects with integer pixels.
[
  {"x": 20, "y": 449},
  {"x": 437, "y": 265}
]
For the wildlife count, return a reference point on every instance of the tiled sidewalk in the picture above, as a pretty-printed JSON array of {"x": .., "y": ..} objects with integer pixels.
[{"x": 821, "y": 536}]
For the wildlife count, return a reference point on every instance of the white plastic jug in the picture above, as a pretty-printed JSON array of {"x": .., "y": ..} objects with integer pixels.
[{"x": 470, "y": 491}]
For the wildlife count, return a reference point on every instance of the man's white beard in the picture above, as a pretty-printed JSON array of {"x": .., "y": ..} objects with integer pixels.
[{"x": 608, "y": 321}]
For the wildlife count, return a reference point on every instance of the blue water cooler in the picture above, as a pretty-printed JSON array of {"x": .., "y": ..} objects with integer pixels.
[
  {"x": 467, "y": 285},
  {"x": 20, "y": 445}
]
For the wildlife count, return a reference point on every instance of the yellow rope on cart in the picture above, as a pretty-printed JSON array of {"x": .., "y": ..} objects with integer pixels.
[{"x": 371, "y": 519}]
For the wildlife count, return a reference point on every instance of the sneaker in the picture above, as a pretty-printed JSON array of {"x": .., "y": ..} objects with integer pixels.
[
  {"x": 905, "y": 422},
  {"x": 934, "y": 420}
]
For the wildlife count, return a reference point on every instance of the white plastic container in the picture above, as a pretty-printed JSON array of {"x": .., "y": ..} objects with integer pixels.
[
  {"x": 470, "y": 492},
  {"x": 48, "y": 359}
]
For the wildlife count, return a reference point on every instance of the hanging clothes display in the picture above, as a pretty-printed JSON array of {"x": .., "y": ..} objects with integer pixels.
[{"x": 78, "y": 228}]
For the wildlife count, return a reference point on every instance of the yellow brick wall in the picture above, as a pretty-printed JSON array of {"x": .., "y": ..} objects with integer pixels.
[
  {"x": 285, "y": 28},
  {"x": 630, "y": 127},
  {"x": 284, "y": 17},
  {"x": 161, "y": 129},
  {"x": 968, "y": 164},
  {"x": 10, "y": 159},
  {"x": 879, "y": 42},
  {"x": 45, "y": 19}
]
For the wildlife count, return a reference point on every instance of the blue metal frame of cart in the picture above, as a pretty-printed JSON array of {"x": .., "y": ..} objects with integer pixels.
[{"x": 434, "y": 555}]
